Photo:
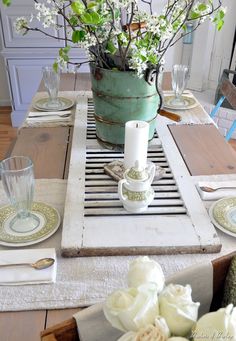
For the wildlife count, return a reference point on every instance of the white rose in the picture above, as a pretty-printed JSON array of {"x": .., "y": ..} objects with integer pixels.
[
  {"x": 219, "y": 325},
  {"x": 178, "y": 309},
  {"x": 157, "y": 332},
  {"x": 143, "y": 270},
  {"x": 133, "y": 308}
]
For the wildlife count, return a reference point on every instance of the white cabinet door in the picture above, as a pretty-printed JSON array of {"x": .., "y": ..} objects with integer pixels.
[
  {"x": 25, "y": 76},
  {"x": 24, "y": 8}
]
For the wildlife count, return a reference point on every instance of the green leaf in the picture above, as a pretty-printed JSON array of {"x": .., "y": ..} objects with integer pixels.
[
  {"x": 194, "y": 15},
  {"x": 111, "y": 47},
  {"x": 66, "y": 49},
  {"x": 92, "y": 18},
  {"x": 92, "y": 4},
  {"x": 6, "y": 2},
  {"x": 78, "y": 7},
  {"x": 221, "y": 14},
  {"x": 74, "y": 20},
  {"x": 152, "y": 58},
  {"x": 202, "y": 7},
  {"x": 55, "y": 66},
  {"x": 220, "y": 24},
  {"x": 86, "y": 18},
  {"x": 63, "y": 53},
  {"x": 78, "y": 36},
  {"x": 96, "y": 19}
]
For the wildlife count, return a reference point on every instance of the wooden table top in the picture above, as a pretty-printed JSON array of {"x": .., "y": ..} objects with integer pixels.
[{"x": 202, "y": 147}]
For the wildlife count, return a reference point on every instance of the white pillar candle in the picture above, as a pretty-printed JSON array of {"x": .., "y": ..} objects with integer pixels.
[{"x": 136, "y": 143}]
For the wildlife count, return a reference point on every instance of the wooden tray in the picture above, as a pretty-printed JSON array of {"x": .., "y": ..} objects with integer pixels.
[{"x": 67, "y": 330}]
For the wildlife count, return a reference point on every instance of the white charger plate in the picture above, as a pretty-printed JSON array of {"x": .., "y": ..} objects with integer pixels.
[
  {"x": 223, "y": 215},
  {"x": 42, "y": 104},
  {"x": 49, "y": 222},
  {"x": 190, "y": 103}
]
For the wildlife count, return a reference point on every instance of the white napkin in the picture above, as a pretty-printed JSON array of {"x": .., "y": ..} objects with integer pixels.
[
  {"x": 40, "y": 114},
  {"x": 48, "y": 119},
  {"x": 220, "y": 193},
  {"x": 93, "y": 326},
  {"x": 21, "y": 275}
]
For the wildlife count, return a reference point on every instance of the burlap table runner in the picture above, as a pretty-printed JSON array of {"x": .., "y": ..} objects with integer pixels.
[{"x": 85, "y": 281}]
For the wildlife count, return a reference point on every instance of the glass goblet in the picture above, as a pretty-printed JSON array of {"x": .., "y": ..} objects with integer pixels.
[
  {"x": 18, "y": 182},
  {"x": 51, "y": 80},
  {"x": 179, "y": 78}
]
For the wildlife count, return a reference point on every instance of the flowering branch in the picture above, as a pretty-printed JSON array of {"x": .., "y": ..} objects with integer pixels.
[{"x": 138, "y": 43}]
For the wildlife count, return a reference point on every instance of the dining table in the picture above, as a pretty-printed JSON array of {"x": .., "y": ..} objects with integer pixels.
[{"x": 202, "y": 147}]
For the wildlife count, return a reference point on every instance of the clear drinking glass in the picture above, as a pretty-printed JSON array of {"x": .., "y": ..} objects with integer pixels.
[
  {"x": 18, "y": 182},
  {"x": 51, "y": 81},
  {"x": 179, "y": 78}
]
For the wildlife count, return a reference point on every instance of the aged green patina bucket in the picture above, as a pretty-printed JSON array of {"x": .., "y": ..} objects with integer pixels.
[{"x": 120, "y": 97}]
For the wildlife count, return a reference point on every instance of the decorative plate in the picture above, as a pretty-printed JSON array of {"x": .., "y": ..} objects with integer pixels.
[
  {"x": 223, "y": 215},
  {"x": 189, "y": 103},
  {"x": 49, "y": 223},
  {"x": 64, "y": 103}
]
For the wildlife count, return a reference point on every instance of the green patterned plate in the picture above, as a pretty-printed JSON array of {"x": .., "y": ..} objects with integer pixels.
[
  {"x": 42, "y": 104},
  {"x": 189, "y": 103},
  {"x": 223, "y": 215},
  {"x": 49, "y": 223}
]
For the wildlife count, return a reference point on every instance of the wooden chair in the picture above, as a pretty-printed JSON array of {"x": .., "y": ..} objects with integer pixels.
[{"x": 228, "y": 91}]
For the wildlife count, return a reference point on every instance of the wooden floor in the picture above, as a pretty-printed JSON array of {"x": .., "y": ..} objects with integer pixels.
[{"x": 8, "y": 134}]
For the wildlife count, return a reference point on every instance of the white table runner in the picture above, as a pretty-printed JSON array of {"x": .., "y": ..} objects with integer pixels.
[{"x": 85, "y": 281}]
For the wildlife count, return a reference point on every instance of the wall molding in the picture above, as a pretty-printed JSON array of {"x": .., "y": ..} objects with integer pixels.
[{"x": 5, "y": 102}]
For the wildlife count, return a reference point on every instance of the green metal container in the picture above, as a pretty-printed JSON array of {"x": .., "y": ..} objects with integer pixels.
[{"x": 120, "y": 97}]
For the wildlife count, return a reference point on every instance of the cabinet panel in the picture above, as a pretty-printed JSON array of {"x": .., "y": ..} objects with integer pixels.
[
  {"x": 25, "y": 76},
  {"x": 31, "y": 39}
]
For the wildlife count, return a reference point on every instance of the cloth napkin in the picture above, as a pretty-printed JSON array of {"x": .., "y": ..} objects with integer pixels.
[
  {"x": 39, "y": 114},
  {"x": 93, "y": 326},
  {"x": 220, "y": 193},
  {"x": 52, "y": 118},
  {"x": 21, "y": 275}
]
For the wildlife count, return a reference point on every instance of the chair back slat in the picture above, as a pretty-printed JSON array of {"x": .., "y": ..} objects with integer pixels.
[{"x": 229, "y": 91}]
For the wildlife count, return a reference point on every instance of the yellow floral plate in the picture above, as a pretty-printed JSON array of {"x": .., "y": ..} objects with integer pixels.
[
  {"x": 223, "y": 215},
  {"x": 49, "y": 223},
  {"x": 189, "y": 103}
]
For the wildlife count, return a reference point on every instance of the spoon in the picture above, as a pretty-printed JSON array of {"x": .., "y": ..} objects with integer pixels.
[
  {"x": 210, "y": 189},
  {"x": 39, "y": 265}
]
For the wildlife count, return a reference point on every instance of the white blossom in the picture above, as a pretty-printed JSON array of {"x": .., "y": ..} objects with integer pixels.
[
  {"x": 20, "y": 25},
  {"x": 47, "y": 15}
]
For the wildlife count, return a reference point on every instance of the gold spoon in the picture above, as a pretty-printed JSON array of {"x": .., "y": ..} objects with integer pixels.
[
  {"x": 210, "y": 189},
  {"x": 39, "y": 265}
]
